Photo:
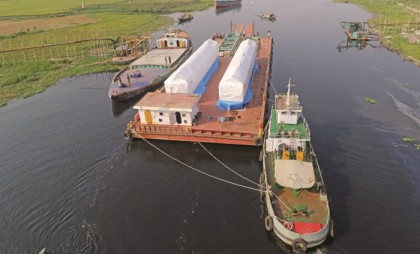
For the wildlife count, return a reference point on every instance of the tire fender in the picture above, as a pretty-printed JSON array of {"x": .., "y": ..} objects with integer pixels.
[{"x": 268, "y": 223}]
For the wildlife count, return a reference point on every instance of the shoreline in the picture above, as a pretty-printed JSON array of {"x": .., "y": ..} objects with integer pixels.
[
  {"x": 394, "y": 16},
  {"x": 36, "y": 55}
]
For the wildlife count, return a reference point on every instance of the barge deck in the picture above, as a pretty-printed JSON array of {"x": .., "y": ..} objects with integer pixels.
[{"x": 212, "y": 125}]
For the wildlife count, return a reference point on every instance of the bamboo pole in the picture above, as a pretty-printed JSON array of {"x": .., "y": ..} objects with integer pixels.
[
  {"x": 67, "y": 49},
  {"x": 74, "y": 49},
  {"x": 58, "y": 53},
  {"x": 13, "y": 56},
  {"x": 24, "y": 55}
]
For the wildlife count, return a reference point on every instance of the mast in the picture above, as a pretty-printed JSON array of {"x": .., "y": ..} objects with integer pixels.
[{"x": 288, "y": 93}]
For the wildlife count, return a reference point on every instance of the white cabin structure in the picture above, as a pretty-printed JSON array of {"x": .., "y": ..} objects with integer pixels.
[
  {"x": 168, "y": 109},
  {"x": 288, "y": 126}
]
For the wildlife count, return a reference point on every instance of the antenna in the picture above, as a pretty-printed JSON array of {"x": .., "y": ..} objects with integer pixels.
[{"x": 288, "y": 92}]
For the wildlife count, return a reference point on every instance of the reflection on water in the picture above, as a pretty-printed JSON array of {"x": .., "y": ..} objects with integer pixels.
[
  {"x": 359, "y": 45},
  {"x": 119, "y": 107},
  {"x": 232, "y": 8}
]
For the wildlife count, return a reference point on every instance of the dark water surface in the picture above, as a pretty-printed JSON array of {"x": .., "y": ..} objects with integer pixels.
[{"x": 70, "y": 182}]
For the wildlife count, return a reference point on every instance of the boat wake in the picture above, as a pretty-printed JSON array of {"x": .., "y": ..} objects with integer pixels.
[
  {"x": 412, "y": 113},
  {"x": 80, "y": 239}
]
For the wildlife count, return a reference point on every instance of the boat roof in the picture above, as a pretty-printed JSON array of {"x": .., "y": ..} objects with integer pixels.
[
  {"x": 167, "y": 101},
  {"x": 294, "y": 103},
  {"x": 175, "y": 33},
  {"x": 157, "y": 56},
  {"x": 294, "y": 174}
]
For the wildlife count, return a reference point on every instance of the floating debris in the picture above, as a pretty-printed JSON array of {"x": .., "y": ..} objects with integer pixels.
[
  {"x": 268, "y": 16},
  {"x": 407, "y": 139},
  {"x": 371, "y": 100},
  {"x": 417, "y": 146}
]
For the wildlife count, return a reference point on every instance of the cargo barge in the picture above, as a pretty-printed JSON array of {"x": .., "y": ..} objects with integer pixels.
[{"x": 217, "y": 96}]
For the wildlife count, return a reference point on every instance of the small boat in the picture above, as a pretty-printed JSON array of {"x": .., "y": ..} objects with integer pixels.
[
  {"x": 185, "y": 17},
  {"x": 356, "y": 30},
  {"x": 150, "y": 70},
  {"x": 268, "y": 16},
  {"x": 295, "y": 197},
  {"x": 229, "y": 8},
  {"x": 225, "y": 3}
]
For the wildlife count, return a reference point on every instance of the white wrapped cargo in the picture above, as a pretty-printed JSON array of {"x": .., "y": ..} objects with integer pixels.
[
  {"x": 196, "y": 71},
  {"x": 234, "y": 84}
]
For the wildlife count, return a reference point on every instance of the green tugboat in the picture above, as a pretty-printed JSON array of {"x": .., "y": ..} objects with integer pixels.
[{"x": 295, "y": 197}]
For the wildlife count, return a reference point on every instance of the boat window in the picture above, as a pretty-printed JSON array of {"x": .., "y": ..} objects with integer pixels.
[
  {"x": 184, "y": 115},
  {"x": 160, "y": 120},
  {"x": 185, "y": 121},
  {"x": 160, "y": 113}
]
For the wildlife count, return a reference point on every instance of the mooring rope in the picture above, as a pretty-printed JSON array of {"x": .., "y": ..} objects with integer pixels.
[
  {"x": 215, "y": 177},
  {"x": 226, "y": 166},
  {"x": 269, "y": 80},
  {"x": 264, "y": 188},
  {"x": 197, "y": 170}
]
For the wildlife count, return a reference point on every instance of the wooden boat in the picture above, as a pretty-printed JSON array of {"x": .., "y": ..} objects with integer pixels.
[
  {"x": 151, "y": 69},
  {"x": 185, "y": 17},
  {"x": 356, "y": 30},
  {"x": 295, "y": 196},
  {"x": 268, "y": 16},
  {"x": 229, "y": 8},
  {"x": 191, "y": 107},
  {"x": 225, "y": 3}
]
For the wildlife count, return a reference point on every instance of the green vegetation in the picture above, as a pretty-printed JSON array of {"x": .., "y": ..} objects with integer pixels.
[
  {"x": 398, "y": 22},
  {"x": 10, "y": 8},
  {"x": 27, "y": 72},
  {"x": 370, "y": 100},
  {"x": 407, "y": 139}
]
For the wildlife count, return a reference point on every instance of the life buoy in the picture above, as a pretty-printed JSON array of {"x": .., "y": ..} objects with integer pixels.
[
  {"x": 268, "y": 223},
  {"x": 258, "y": 142},
  {"x": 187, "y": 130},
  {"x": 299, "y": 245}
]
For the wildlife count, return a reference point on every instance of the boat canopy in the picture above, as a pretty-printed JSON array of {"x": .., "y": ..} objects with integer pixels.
[
  {"x": 193, "y": 75},
  {"x": 233, "y": 88},
  {"x": 294, "y": 174}
]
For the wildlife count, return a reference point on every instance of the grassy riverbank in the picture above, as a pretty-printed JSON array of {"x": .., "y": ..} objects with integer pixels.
[
  {"x": 27, "y": 72},
  {"x": 398, "y": 22}
]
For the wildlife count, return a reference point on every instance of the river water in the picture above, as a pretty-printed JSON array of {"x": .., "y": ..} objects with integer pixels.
[{"x": 70, "y": 182}]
